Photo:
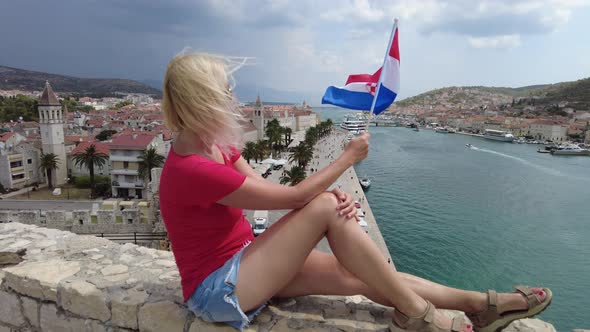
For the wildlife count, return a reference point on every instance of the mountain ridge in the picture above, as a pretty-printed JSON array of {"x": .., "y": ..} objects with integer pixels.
[{"x": 23, "y": 79}]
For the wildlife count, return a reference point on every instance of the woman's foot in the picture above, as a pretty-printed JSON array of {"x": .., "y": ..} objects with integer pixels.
[
  {"x": 499, "y": 310},
  {"x": 431, "y": 320}
]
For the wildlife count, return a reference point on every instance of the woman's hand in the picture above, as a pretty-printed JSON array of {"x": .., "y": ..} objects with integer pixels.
[
  {"x": 346, "y": 206},
  {"x": 358, "y": 148}
]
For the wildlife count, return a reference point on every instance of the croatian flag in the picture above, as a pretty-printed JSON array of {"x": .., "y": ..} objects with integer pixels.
[{"x": 359, "y": 91}]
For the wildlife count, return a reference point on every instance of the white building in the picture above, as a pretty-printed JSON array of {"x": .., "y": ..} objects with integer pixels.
[
  {"x": 51, "y": 122},
  {"x": 19, "y": 162},
  {"x": 548, "y": 130}
]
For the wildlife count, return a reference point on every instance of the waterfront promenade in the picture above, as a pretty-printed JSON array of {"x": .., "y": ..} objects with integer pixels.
[{"x": 326, "y": 151}]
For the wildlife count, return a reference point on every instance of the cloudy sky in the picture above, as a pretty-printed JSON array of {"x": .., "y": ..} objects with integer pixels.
[{"x": 303, "y": 46}]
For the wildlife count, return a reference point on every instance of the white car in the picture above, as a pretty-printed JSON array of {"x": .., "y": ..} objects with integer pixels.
[
  {"x": 364, "y": 225},
  {"x": 260, "y": 225}
]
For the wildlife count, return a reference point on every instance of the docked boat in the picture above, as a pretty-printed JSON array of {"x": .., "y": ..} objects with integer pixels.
[
  {"x": 416, "y": 128},
  {"x": 353, "y": 125},
  {"x": 441, "y": 130},
  {"x": 498, "y": 135},
  {"x": 570, "y": 150},
  {"x": 365, "y": 183}
]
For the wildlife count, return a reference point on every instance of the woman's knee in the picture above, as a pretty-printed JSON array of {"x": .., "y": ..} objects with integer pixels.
[{"x": 325, "y": 202}]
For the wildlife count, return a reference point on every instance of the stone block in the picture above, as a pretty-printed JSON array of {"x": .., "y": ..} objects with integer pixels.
[
  {"x": 105, "y": 216},
  {"x": 55, "y": 218},
  {"x": 40, "y": 279},
  {"x": 364, "y": 316},
  {"x": 84, "y": 299},
  {"x": 200, "y": 325},
  {"x": 130, "y": 216},
  {"x": 125, "y": 306},
  {"x": 5, "y": 217},
  {"x": 2, "y": 275},
  {"x": 162, "y": 316},
  {"x": 30, "y": 217},
  {"x": 31, "y": 310},
  {"x": 81, "y": 217},
  {"x": 114, "y": 269},
  {"x": 51, "y": 321},
  {"x": 529, "y": 325},
  {"x": 5, "y": 328},
  {"x": 10, "y": 311}
]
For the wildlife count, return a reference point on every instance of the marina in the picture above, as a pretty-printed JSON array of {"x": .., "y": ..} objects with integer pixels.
[{"x": 443, "y": 206}]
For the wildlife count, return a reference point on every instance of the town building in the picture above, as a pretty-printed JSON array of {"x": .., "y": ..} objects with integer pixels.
[
  {"x": 548, "y": 130},
  {"x": 124, "y": 152},
  {"x": 18, "y": 162},
  {"x": 51, "y": 123}
]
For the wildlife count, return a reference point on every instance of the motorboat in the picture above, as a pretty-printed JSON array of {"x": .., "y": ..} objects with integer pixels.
[
  {"x": 570, "y": 150},
  {"x": 468, "y": 145},
  {"x": 365, "y": 183},
  {"x": 441, "y": 130}
]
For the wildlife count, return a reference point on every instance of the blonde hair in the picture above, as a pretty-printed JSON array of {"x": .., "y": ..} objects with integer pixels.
[{"x": 197, "y": 97}]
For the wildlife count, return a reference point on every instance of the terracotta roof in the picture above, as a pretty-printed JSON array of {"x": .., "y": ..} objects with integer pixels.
[
  {"x": 100, "y": 147},
  {"x": 48, "y": 97},
  {"x": 77, "y": 138},
  {"x": 132, "y": 141},
  {"x": 4, "y": 137}
]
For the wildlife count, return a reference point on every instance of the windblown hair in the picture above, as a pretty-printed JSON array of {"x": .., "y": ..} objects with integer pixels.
[{"x": 197, "y": 97}]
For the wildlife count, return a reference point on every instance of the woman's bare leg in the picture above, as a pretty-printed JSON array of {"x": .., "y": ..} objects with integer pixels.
[
  {"x": 274, "y": 259},
  {"x": 322, "y": 274}
]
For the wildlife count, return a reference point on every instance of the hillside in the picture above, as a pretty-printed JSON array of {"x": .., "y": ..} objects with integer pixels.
[
  {"x": 576, "y": 94},
  {"x": 21, "y": 79}
]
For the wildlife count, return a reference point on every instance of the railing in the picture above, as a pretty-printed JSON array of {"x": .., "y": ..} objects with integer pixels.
[
  {"x": 123, "y": 158},
  {"x": 17, "y": 169},
  {"x": 127, "y": 237},
  {"x": 128, "y": 184},
  {"x": 124, "y": 171}
]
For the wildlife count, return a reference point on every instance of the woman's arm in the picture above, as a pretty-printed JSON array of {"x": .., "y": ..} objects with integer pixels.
[{"x": 258, "y": 194}]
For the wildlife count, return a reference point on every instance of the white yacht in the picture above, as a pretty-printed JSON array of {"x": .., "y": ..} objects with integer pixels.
[
  {"x": 498, "y": 135},
  {"x": 441, "y": 130},
  {"x": 353, "y": 125},
  {"x": 570, "y": 150}
]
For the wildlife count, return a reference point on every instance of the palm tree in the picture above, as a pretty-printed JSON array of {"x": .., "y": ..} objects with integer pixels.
[
  {"x": 249, "y": 151},
  {"x": 274, "y": 132},
  {"x": 149, "y": 158},
  {"x": 288, "y": 131},
  {"x": 295, "y": 175},
  {"x": 89, "y": 158},
  {"x": 302, "y": 154},
  {"x": 261, "y": 150},
  {"x": 48, "y": 163}
]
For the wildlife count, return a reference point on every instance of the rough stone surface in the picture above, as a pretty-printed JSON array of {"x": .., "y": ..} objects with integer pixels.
[
  {"x": 51, "y": 321},
  {"x": 84, "y": 299},
  {"x": 69, "y": 283},
  {"x": 162, "y": 316},
  {"x": 31, "y": 310},
  {"x": 40, "y": 279},
  {"x": 10, "y": 311},
  {"x": 125, "y": 307}
]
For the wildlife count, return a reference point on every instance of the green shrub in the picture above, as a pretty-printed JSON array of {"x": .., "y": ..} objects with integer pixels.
[{"x": 84, "y": 181}]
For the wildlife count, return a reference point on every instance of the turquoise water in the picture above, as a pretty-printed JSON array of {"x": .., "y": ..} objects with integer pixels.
[{"x": 484, "y": 218}]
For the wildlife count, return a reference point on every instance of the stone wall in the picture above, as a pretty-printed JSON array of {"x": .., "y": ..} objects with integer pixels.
[
  {"x": 69, "y": 282},
  {"x": 83, "y": 221}
]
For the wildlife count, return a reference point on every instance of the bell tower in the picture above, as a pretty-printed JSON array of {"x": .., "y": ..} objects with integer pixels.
[
  {"x": 259, "y": 117},
  {"x": 51, "y": 123}
]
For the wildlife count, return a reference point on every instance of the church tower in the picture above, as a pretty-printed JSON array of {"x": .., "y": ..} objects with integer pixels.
[
  {"x": 51, "y": 122},
  {"x": 259, "y": 118}
]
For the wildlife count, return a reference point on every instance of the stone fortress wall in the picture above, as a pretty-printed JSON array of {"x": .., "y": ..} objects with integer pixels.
[{"x": 69, "y": 282}]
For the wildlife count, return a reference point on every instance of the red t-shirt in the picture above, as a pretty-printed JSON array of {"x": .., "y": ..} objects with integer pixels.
[{"x": 203, "y": 234}]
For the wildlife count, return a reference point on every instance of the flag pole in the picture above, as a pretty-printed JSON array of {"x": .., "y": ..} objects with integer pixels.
[{"x": 381, "y": 74}]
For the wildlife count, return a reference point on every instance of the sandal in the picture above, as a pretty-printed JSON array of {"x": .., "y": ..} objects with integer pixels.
[
  {"x": 491, "y": 320},
  {"x": 425, "y": 322}
]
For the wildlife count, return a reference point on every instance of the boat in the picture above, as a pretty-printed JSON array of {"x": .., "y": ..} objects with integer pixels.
[
  {"x": 498, "y": 135},
  {"x": 416, "y": 128},
  {"x": 353, "y": 125},
  {"x": 544, "y": 151},
  {"x": 451, "y": 131},
  {"x": 468, "y": 145},
  {"x": 365, "y": 183},
  {"x": 441, "y": 130},
  {"x": 570, "y": 150}
]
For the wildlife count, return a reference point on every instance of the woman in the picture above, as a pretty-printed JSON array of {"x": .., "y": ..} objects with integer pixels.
[{"x": 227, "y": 276}]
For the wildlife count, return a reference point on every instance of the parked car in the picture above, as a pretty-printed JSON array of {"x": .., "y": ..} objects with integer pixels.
[{"x": 260, "y": 222}]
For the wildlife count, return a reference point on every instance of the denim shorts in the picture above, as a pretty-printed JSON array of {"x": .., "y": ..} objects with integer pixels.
[{"x": 215, "y": 300}]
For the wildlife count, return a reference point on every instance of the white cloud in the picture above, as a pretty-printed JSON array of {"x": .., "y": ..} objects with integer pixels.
[{"x": 499, "y": 42}]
